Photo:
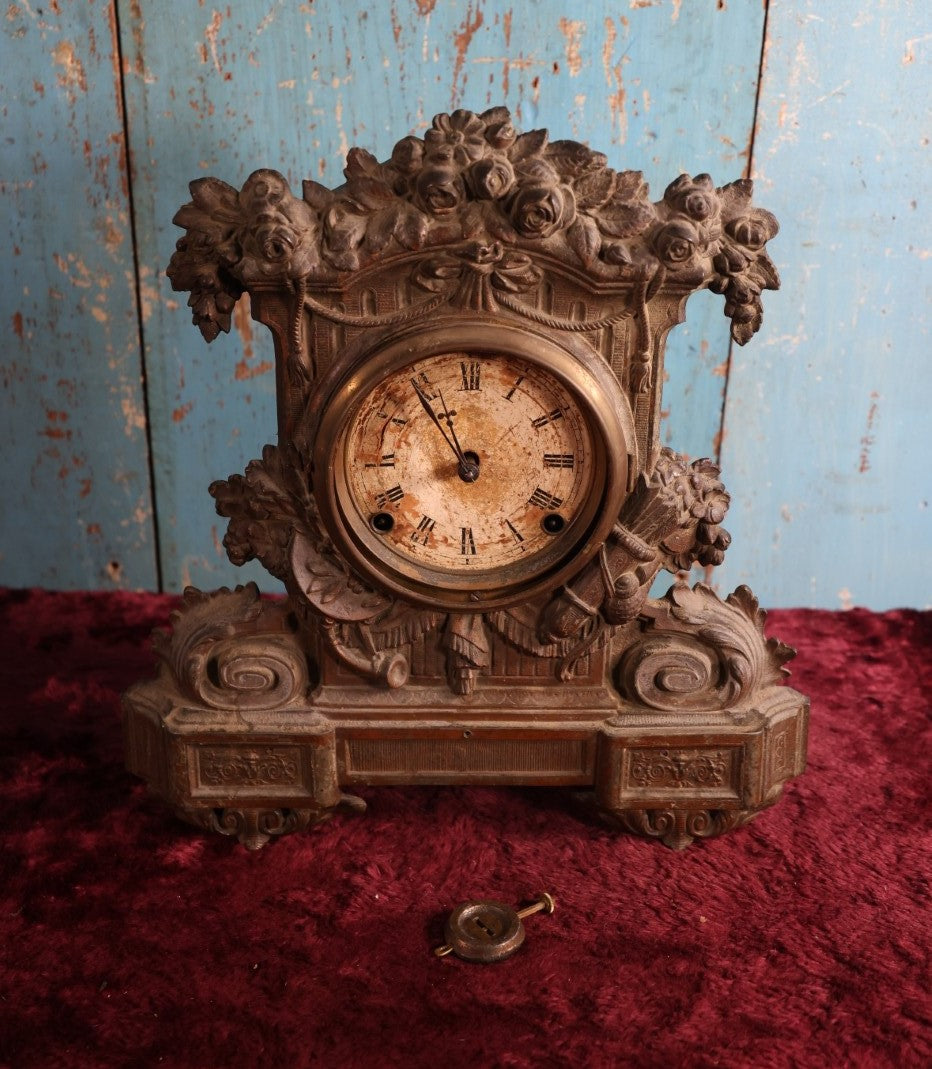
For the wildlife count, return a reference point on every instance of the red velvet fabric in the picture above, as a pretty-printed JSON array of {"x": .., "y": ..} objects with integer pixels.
[{"x": 130, "y": 939}]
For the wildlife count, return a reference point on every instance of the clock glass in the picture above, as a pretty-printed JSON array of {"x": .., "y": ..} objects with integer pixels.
[
  {"x": 462, "y": 462},
  {"x": 470, "y": 465}
]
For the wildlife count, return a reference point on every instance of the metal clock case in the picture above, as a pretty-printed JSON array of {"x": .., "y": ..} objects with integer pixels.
[
  {"x": 468, "y": 501},
  {"x": 527, "y": 496}
]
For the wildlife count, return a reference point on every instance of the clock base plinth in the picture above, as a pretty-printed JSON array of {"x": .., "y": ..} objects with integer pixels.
[{"x": 258, "y": 774}]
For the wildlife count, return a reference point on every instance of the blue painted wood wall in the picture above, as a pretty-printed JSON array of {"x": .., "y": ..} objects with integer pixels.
[{"x": 116, "y": 416}]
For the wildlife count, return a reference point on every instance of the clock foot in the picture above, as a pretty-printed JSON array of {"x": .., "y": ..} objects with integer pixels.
[
  {"x": 679, "y": 828},
  {"x": 254, "y": 828}
]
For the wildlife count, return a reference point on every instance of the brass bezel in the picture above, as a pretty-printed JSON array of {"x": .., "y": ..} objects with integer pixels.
[{"x": 365, "y": 364}]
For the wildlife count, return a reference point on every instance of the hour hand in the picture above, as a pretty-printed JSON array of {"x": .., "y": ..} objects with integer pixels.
[
  {"x": 468, "y": 471},
  {"x": 429, "y": 409}
]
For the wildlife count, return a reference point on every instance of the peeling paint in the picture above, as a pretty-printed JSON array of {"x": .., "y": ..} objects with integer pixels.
[
  {"x": 242, "y": 321},
  {"x": 266, "y": 21},
  {"x": 572, "y": 30},
  {"x": 462, "y": 40},
  {"x": 75, "y": 270},
  {"x": 72, "y": 76},
  {"x": 244, "y": 371},
  {"x": 134, "y": 416},
  {"x": 867, "y": 438},
  {"x": 616, "y": 100},
  {"x": 148, "y": 293},
  {"x": 909, "y": 52},
  {"x": 211, "y": 33}
]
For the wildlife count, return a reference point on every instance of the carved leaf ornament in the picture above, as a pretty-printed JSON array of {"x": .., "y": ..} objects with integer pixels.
[
  {"x": 232, "y": 650},
  {"x": 508, "y": 196},
  {"x": 698, "y": 652}
]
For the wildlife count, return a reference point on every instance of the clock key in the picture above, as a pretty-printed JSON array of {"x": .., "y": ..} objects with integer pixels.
[{"x": 489, "y": 931}]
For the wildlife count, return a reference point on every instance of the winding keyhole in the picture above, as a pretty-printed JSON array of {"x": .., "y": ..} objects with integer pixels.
[{"x": 485, "y": 928}]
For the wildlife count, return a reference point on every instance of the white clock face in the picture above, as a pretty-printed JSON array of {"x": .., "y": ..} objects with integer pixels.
[{"x": 463, "y": 462}]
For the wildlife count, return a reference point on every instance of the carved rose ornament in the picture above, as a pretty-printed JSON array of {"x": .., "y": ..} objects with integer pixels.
[{"x": 473, "y": 178}]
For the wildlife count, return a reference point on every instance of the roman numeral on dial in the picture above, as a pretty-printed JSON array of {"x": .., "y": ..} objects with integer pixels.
[
  {"x": 422, "y": 383},
  {"x": 511, "y": 392},
  {"x": 559, "y": 460},
  {"x": 387, "y": 460},
  {"x": 550, "y": 417},
  {"x": 467, "y": 542},
  {"x": 423, "y": 530},
  {"x": 471, "y": 373},
  {"x": 394, "y": 495},
  {"x": 515, "y": 533},
  {"x": 543, "y": 500}
]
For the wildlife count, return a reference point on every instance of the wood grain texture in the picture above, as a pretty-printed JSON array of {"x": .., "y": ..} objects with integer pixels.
[
  {"x": 827, "y": 430},
  {"x": 74, "y": 483},
  {"x": 840, "y": 147},
  {"x": 219, "y": 92}
]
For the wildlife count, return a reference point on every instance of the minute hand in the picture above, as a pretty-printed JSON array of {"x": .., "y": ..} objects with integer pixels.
[
  {"x": 429, "y": 409},
  {"x": 468, "y": 469}
]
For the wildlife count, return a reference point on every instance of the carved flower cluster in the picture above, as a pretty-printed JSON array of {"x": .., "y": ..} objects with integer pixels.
[
  {"x": 703, "y": 501},
  {"x": 265, "y": 505},
  {"x": 473, "y": 179}
]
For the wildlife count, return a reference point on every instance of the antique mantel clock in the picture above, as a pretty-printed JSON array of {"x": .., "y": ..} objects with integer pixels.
[{"x": 468, "y": 501}]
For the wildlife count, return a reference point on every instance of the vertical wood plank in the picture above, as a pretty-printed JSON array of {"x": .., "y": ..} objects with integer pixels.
[
  {"x": 222, "y": 89},
  {"x": 74, "y": 482},
  {"x": 827, "y": 441}
]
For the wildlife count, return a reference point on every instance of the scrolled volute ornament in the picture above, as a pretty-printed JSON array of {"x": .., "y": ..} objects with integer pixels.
[
  {"x": 231, "y": 650},
  {"x": 677, "y": 828},
  {"x": 700, "y": 653},
  {"x": 255, "y": 827}
]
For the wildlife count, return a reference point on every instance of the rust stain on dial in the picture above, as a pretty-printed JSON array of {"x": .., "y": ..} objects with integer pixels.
[{"x": 518, "y": 423}]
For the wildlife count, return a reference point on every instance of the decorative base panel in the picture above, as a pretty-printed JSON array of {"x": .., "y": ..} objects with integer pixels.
[{"x": 256, "y": 776}]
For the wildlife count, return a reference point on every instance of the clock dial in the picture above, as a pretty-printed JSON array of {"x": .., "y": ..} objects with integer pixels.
[{"x": 462, "y": 463}]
